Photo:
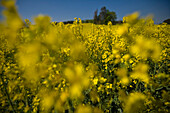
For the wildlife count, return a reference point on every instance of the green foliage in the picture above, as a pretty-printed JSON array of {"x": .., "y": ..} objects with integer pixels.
[{"x": 105, "y": 16}]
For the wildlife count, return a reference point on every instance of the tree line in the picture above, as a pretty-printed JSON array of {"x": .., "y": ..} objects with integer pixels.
[{"x": 104, "y": 17}]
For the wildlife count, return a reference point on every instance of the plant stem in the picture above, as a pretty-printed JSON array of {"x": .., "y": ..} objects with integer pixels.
[{"x": 6, "y": 91}]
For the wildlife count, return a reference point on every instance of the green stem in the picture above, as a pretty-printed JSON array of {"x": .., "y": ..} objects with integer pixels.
[
  {"x": 6, "y": 91},
  {"x": 137, "y": 85},
  {"x": 155, "y": 69}
]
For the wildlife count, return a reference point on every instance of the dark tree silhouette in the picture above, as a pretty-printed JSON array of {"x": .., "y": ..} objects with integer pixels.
[
  {"x": 104, "y": 17},
  {"x": 95, "y": 17},
  {"x": 110, "y": 16},
  {"x": 167, "y": 21}
]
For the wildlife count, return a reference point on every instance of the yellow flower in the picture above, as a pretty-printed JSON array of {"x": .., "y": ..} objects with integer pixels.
[
  {"x": 131, "y": 61},
  {"x": 131, "y": 18},
  {"x": 145, "y": 48},
  {"x": 135, "y": 102},
  {"x": 122, "y": 29},
  {"x": 122, "y": 74},
  {"x": 110, "y": 85},
  {"x": 141, "y": 72},
  {"x": 54, "y": 66},
  {"x": 95, "y": 81},
  {"x": 75, "y": 90},
  {"x": 109, "y": 23},
  {"x": 126, "y": 57},
  {"x": 102, "y": 80},
  {"x": 104, "y": 56},
  {"x": 83, "y": 109},
  {"x": 26, "y": 109}
]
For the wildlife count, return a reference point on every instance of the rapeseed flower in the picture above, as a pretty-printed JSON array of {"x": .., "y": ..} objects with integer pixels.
[
  {"x": 141, "y": 72},
  {"x": 135, "y": 102}
]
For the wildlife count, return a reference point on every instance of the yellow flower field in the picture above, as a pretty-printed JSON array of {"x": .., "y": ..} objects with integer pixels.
[{"x": 83, "y": 68}]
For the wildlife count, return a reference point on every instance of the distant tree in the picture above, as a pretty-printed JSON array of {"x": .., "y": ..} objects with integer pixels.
[
  {"x": 119, "y": 22},
  {"x": 68, "y": 22},
  {"x": 105, "y": 16},
  {"x": 110, "y": 16},
  {"x": 89, "y": 21},
  {"x": 95, "y": 17},
  {"x": 167, "y": 21}
]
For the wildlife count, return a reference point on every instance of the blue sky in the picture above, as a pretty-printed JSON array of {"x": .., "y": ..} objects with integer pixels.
[{"x": 64, "y": 10}]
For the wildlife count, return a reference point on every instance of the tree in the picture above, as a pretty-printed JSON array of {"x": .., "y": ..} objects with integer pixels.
[
  {"x": 167, "y": 21},
  {"x": 105, "y": 16},
  {"x": 110, "y": 16},
  {"x": 95, "y": 17}
]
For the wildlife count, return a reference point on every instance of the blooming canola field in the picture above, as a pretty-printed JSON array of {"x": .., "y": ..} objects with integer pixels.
[{"x": 83, "y": 68}]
